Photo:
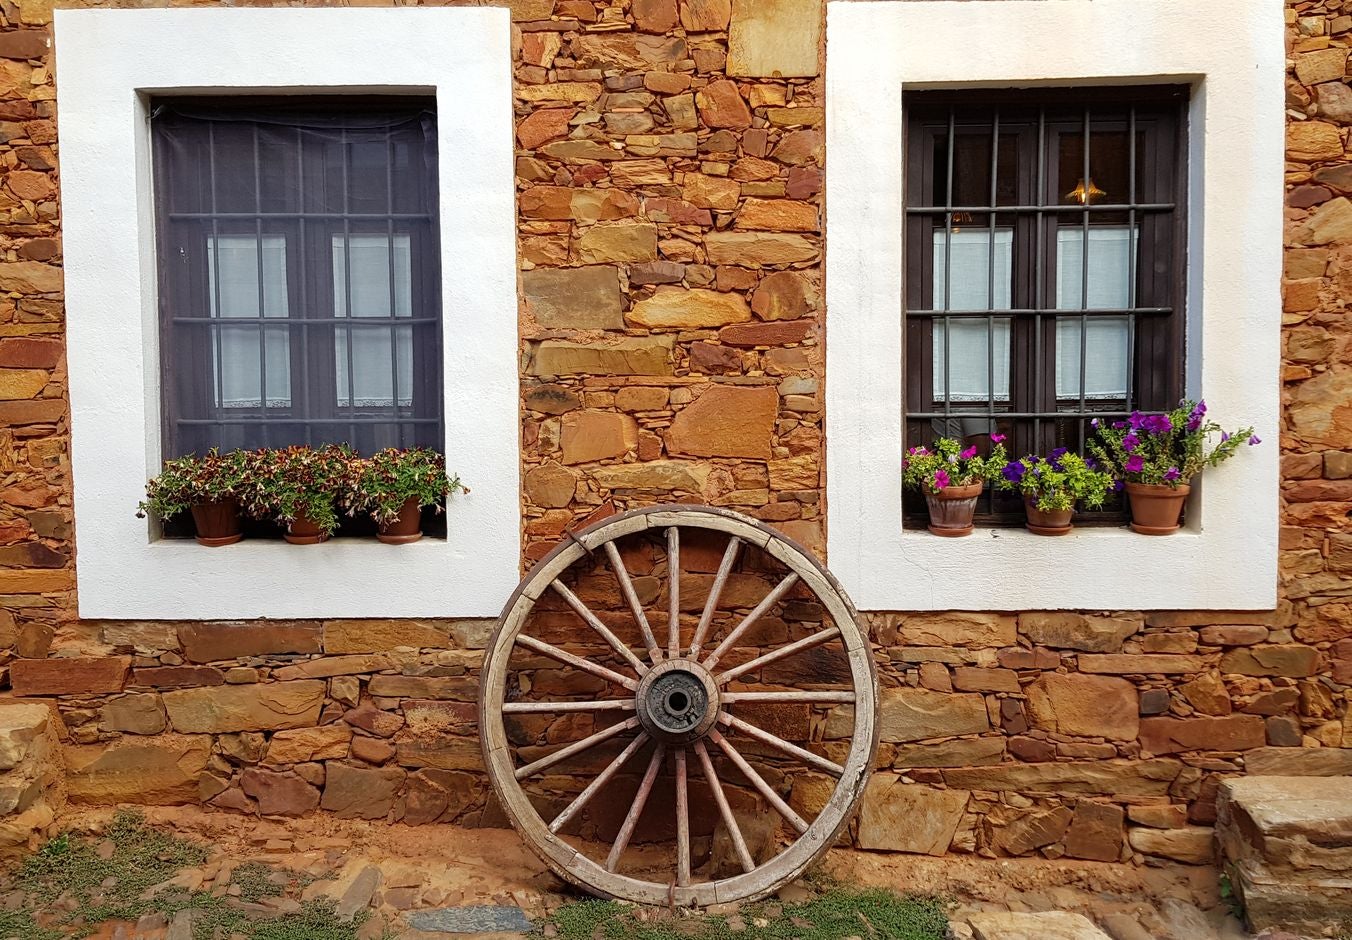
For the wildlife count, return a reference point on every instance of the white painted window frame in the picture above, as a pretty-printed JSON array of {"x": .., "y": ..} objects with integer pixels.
[
  {"x": 110, "y": 63},
  {"x": 1232, "y": 56}
]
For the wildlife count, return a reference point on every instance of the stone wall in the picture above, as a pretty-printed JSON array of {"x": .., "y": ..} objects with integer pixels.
[{"x": 670, "y": 208}]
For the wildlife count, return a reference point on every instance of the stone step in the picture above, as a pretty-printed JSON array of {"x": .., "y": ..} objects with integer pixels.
[{"x": 1054, "y": 925}]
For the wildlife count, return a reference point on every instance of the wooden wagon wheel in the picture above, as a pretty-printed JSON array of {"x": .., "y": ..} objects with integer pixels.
[{"x": 676, "y": 700}]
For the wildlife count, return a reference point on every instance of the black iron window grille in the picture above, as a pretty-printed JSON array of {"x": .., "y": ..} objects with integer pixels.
[
  {"x": 298, "y": 273},
  {"x": 1044, "y": 266}
]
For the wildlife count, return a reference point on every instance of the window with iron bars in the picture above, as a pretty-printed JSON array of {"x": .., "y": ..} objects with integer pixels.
[
  {"x": 1044, "y": 267},
  {"x": 298, "y": 273}
]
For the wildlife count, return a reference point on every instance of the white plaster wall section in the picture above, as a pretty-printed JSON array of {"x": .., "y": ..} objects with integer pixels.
[
  {"x": 1232, "y": 55},
  {"x": 109, "y": 63}
]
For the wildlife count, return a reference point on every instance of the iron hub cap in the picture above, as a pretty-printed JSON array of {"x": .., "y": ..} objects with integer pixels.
[{"x": 677, "y": 701}]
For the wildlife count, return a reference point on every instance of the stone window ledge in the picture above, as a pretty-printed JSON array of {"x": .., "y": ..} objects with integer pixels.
[
  {"x": 111, "y": 63},
  {"x": 1232, "y": 56}
]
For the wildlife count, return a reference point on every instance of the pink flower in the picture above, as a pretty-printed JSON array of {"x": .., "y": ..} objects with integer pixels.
[
  {"x": 940, "y": 479},
  {"x": 997, "y": 438},
  {"x": 969, "y": 453}
]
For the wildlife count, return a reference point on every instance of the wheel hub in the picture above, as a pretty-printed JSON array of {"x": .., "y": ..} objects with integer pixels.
[{"x": 677, "y": 701}]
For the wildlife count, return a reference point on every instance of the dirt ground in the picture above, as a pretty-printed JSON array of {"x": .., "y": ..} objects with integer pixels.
[{"x": 434, "y": 867}]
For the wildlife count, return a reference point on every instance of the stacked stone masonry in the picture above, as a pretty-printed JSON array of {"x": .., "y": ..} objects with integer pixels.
[{"x": 669, "y": 159}]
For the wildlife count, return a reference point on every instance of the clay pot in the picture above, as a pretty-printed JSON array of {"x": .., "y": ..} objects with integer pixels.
[
  {"x": 407, "y": 528},
  {"x": 951, "y": 509},
  {"x": 1046, "y": 521},
  {"x": 304, "y": 532},
  {"x": 217, "y": 522},
  {"x": 1156, "y": 508}
]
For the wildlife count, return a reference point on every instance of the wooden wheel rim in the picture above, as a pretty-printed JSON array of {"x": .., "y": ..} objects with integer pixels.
[{"x": 570, "y": 863}]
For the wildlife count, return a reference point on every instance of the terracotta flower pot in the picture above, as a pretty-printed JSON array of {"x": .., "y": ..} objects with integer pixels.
[
  {"x": 304, "y": 532},
  {"x": 951, "y": 509},
  {"x": 1047, "y": 521},
  {"x": 217, "y": 522},
  {"x": 1156, "y": 508},
  {"x": 406, "y": 528}
]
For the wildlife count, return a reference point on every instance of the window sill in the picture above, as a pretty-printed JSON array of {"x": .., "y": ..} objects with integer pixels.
[{"x": 177, "y": 579}]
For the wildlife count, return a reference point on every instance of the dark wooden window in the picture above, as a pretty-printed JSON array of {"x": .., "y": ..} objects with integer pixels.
[
  {"x": 298, "y": 273},
  {"x": 1044, "y": 265}
]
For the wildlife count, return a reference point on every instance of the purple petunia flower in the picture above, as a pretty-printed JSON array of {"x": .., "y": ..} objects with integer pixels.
[
  {"x": 1172, "y": 474},
  {"x": 1135, "y": 464},
  {"x": 1094, "y": 424},
  {"x": 1119, "y": 424},
  {"x": 1054, "y": 458},
  {"x": 1195, "y": 416},
  {"x": 941, "y": 479},
  {"x": 1225, "y": 436},
  {"x": 1255, "y": 439},
  {"x": 969, "y": 453},
  {"x": 1119, "y": 486},
  {"x": 1137, "y": 420},
  {"x": 997, "y": 438},
  {"x": 1157, "y": 424},
  {"x": 1091, "y": 463},
  {"x": 1130, "y": 442},
  {"x": 1014, "y": 471}
]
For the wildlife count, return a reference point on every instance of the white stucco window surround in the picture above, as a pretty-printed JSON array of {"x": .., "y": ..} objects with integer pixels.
[
  {"x": 1231, "y": 54},
  {"x": 111, "y": 63}
]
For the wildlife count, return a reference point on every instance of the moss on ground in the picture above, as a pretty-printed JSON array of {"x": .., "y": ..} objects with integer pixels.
[
  {"x": 836, "y": 913},
  {"x": 70, "y": 887}
]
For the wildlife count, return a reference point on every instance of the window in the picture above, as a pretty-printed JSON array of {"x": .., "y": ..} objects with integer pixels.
[
  {"x": 1044, "y": 278},
  {"x": 262, "y": 297},
  {"x": 298, "y": 273},
  {"x": 885, "y": 60}
]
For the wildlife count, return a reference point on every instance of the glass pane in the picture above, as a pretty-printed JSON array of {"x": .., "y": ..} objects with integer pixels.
[
  {"x": 237, "y": 292},
  {"x": 378, "y": 278},
  {"x": 969, "y": 350},
  {"x": 1109, "y": 271},
  {"x": 1106, "y": 371},
  {"x": 971, "y": 254}
]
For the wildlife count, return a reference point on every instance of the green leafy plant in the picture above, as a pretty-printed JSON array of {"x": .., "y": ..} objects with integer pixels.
[
  {"x": 297, "y": 482},
  {"x": 189, "y": 481},
  {"x": 947, "y": 463},
  {"x": 1058, "y": 481},
  {"x": 1165, "y": 449},
  {"x": 382, "y": 483}
]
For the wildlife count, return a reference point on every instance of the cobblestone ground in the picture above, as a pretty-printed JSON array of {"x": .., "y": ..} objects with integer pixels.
[{"x": 382, "y": 881}]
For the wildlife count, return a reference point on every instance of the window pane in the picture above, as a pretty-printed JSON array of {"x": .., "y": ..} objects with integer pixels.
[
  {"x": 239, "y": 353},
  {"x": 373, "y": 270},
  {"x": 969, "y": 340},
  {"x": 1106, "y": 369}
]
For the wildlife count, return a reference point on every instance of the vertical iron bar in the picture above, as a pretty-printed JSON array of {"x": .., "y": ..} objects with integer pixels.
[
  {"x": 217, "y": 337},
  {"x": 303, "y": 272},
  {"x": 989, "y": 498},
  {"x": 347, "y": 290},
  {"x": 389, "y": 257},
  {"x": 1084, "y": 281},
  {"x": 1132, "y": 196},
  {"x": 1039, "y": 274},
  {"x": 948, "y": 278},
  {"x": 262, "y": 302}
]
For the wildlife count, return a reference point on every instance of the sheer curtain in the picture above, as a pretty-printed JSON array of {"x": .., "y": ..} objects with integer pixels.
[
  {"x": 378, "y": 285},
  {"x": 246, "y": 277},
  {"x": 1106, "y": 367},
  {"x": 963, "y": 353}
]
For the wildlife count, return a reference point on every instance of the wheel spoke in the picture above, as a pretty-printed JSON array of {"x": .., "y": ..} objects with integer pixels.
[
  {"x": 834, "y": 698},
  {"x": 631, "y": 597},
  {"x": 759, "y": 783},
  {"x": 765, "y": 737},
  {"x": 586, "y": 665},
  {"x": 575, "y": 807},
  {"x": 577, "y": 747},
  {"x": 770, "y": 600},
  {"x": 636, "y": 810},
  {"x": 535, "y": 708},
  {"x": 711, "y": 604},
  {"x": 673, "y": 592},
  {"x": 583, "y": 611},
  {"x": 682, "y": 821},
  {"x": 724, "y": 810},
  {"x": 806, "y": 643}
]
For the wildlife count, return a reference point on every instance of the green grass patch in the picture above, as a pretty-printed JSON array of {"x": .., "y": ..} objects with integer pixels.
[
  {"x": 874, "y": 914},
  {"x": 69, "y": 886}
]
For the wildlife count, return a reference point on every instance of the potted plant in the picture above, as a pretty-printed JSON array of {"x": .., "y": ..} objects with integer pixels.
[
  {"x": 952, "y": 477},
  {"x": 298, "y": 487},
  {"x": 394, "y": 485},
  {"x": 206, "y": 486},
  {"x": 1156, "y": 457},
  {"x": 1052, "y": 485}
]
